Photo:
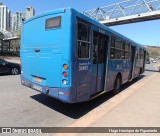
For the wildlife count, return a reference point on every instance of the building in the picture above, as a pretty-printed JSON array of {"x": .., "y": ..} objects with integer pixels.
[
  {"x": 13, "y": 22},
  {"x": 17, "y": 19},
  {"x": 20, "y": 16},
  {"x": 30, "y": 12},
  {"x": 5, "y": 15},
  {"x": 8, "y": 20}
]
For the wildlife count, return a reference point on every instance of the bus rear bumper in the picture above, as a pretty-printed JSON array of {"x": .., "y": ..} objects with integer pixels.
[{"x": 62, "y": 94}]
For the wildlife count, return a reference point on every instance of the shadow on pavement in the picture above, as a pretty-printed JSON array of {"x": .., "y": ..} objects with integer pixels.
[
  {"x": 7, "y": 74},
  {"x": 78, "y": 110}
]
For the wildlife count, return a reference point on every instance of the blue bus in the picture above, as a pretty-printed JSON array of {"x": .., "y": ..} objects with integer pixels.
[{"x": 73, "y": 58}]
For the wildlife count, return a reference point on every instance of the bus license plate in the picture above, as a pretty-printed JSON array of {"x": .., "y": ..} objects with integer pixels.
[
  {"x": 36, "y": 87},
  {"x": 38, "y": 79}
]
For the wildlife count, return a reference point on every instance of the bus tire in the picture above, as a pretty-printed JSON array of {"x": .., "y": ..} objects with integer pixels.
[{"x": 117, "y": 85}]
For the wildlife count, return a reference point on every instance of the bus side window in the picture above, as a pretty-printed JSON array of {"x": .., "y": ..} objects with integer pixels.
[
  {"x": 95, "y": 48},
  {"x": 83, "y": 41},
  {"x": 126, "y": 50},
  {"x": 116, "y": 48},
  {"x": 140, "y": 54},
  {"x": 101, "y": 49},
  {"x": 112, "y": 54}
]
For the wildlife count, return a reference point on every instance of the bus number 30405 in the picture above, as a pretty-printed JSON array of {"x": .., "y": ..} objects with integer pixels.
[{"x": 83, "y": 68}]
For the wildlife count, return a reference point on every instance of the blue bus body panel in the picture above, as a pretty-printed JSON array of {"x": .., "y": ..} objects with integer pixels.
[{"x": 34, "y": 68}]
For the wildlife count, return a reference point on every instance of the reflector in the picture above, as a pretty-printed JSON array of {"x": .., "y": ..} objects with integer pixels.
[{"x": 65, "y": 66}]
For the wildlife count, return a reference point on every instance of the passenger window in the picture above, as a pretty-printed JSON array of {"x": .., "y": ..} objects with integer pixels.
[
  {"x": 115, "y": 54},
  {"x": 116, "y": 48},
  {"x": 83, "y": 41},
  {"x": 118, "y": 43},
  {"x": 126, "y": 50},
  {"x": 140, "y": 54},
  {"x": 101, "y": 49},
  {"x": 95, "y": 48},
  {"x": 113, "y": 42}
]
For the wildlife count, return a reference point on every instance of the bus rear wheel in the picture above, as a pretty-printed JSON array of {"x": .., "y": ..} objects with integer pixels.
[{"x": 117, "y": 85}]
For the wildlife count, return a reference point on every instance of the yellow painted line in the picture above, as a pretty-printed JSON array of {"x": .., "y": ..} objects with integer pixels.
[{"x": 100, "y": 111}]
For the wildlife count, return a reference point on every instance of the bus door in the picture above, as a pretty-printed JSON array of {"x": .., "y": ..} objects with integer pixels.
[
  {"x": 83, "y": 75},
  {"x": 133, "y": 57},
  {"x": 99, "y": 62}
]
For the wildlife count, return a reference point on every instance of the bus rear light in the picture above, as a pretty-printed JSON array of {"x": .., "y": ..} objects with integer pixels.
[
  {"x": 65, "y": 82},
  {"x": 65, "y": 66},
  {"x": 65, "y": 74},
  {"x": 66, "y": 93}
]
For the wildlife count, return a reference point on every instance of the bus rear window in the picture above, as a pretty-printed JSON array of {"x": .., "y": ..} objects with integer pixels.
[{"x": 54, "y": 22}]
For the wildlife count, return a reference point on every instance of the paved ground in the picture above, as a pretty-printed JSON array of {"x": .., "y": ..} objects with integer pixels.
[{"x": 137, "y": 105}]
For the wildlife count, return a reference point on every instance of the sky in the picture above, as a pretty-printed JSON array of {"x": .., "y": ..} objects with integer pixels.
[{"x": 146, "y": 33}]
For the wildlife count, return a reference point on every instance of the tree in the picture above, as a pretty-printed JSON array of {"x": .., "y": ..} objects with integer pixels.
[{"x": 1, "y": 40}]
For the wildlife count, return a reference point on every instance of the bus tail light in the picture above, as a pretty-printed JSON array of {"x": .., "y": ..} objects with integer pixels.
[
  {"x": 65, "y": 74},
  {"x": 65, "y": 82},
  {"x": 65, "y": 66}
]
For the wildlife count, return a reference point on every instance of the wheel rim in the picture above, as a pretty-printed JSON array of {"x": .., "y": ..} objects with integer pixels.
[{"x": 14, "y": 71}]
